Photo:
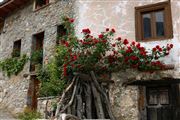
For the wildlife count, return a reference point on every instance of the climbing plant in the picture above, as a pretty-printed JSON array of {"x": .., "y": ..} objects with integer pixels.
[
  {"x": 102, "y": 54},
  {"x": 14, "y": 65}
]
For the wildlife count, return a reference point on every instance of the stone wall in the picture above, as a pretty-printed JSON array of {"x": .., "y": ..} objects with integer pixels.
[
  {"x": 46, "y": 105},
  {"x": 94, "y": 14},
  {"x": 120, "y": 14},
  {"x": 22, "y": 24}
]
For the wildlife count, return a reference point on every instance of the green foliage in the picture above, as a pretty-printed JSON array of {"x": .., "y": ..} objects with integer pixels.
[
  {"x": 37, "y": 57},
  {"x": 51, "y": 82},
  {"x": 12, "y": 66},
  {"x": 29, "y": 115}
]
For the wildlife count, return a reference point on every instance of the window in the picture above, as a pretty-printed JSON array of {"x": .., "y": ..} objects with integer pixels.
[
  {"x": 61, "y": 31},
  {"x": 37, "y": 51},
  {"x": 1, "y": 25},
  {"x": 154, "y": 22},
  {"x": 40, "y": 3},
  {"x": 16, "y": 49}
]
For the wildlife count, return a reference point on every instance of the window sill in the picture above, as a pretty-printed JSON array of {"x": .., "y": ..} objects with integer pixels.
[{"x": 155, "y": 39}]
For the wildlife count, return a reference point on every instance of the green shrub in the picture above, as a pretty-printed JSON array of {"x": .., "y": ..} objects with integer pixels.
[
  {"x": 51, "y": 82},
  {"x": 29, "y": 115}
]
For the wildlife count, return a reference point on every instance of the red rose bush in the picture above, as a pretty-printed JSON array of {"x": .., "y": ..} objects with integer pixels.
[{"x": 105, "y": 53}]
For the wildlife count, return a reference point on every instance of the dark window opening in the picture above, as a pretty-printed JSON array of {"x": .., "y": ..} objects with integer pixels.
[
  {"x": 41, "y": 3},
  {"x": 16, "y": 49},
  {"x": 1, "y": 25},
  {"x": 37, "y": 51},
  {"x": 61, "y": 32},
  {"x": 154, "y": 22}
]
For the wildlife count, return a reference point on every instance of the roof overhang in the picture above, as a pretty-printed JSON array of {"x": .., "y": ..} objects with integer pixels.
[{"x": 9, "y": 6}]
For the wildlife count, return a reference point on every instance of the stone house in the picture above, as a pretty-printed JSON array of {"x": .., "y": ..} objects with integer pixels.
[{"x": 27, "y": 25}]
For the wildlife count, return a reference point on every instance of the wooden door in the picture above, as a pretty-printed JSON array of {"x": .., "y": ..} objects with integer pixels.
[
  {"x": 160, "y": 104},
  {"x": 33, "y": 93}
]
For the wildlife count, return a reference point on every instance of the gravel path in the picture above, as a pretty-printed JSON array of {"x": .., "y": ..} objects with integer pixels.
[{"x": 4, "y": 115}]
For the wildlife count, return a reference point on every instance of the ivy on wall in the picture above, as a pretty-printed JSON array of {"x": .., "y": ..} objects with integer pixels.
[{"x": 12, "y": 66}]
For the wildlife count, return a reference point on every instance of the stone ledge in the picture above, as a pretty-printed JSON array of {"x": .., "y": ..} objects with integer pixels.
[{"x": 129, "y": 76}]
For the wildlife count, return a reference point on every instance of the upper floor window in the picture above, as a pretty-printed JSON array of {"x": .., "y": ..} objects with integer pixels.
[
  {"x": 40, "y": 3},
  {"x": 61, "y": 31},
  {"x": 154, "y": 22},
  {"x": 1, "y": 25}
]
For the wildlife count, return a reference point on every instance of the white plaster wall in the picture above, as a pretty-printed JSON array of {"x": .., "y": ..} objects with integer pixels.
[{"x": 119, "y": 14}]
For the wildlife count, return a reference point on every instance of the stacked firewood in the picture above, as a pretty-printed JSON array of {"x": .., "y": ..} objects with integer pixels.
[{"x": 84, "y": 98}]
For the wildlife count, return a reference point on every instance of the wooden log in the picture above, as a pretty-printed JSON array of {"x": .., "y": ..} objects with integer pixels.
[
  {"x": 59, "y": 105},
  {"x": 69, "y": 110},
  {"x": 86, "y": 77},
  {"x": 74, "y": 110},
  {"x": 64, "y": 116},
  {"x": 79, "y": 106},
  {"x": 72, "y": 97},
  {"x": 108, "y": 107},
  {"x": 88, "y": 96},
  {"x": 98, "y": 103}
]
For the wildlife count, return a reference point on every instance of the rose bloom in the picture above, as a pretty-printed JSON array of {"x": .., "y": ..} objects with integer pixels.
[
  {"x": 101, "y": 36},
  {"x": 71, "y": 20},
  {"x": 107, "y": 29},
  {"x": 125, "y": 42},
  {"x": 171, "y": 45},
  {"x": 113, "y": 30}
]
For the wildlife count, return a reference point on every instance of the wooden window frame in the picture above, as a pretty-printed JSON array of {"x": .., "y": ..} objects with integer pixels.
[{"x": 152, "y": 8}]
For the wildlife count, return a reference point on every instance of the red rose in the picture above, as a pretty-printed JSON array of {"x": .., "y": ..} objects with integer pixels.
[
  {"x": 154, "y": 49},
  {"x": 66, "y": 44},
  {"x": 75, "y": 57},
  {"x": 101, "y": 36},
  {"x": 134, "y": 58},
  {"x": 160, "y": 49},
  {"x": 143, "y": 53},
  {"x": 126, "y": 59},
  {"x": 113, "y": 30},
  {"x": 157, "y": 46},
  {"x": 86, "y": 31},
  {"x": 115, "y": 52},
  {"x": 133, "y": 43},
  {"x": 168, "y": 48},
  {"x": 119, "y": 38},
  {"x": 113, "y": 45},
  {"x": 138, "y": 45},
  {"x": 71, "y": 20},
  {"x": 81, "y": 41},
  {"x": 171, "y": 45},
  {"x": 96, "y": 41},
  {"x": 107, "y": 29},
  {"x": 125, "y": 42},
  {"x": 104, "y": 41},
  {"x": 142, "y": 49}
]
